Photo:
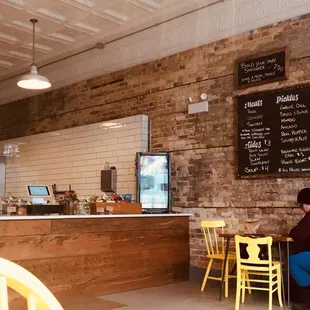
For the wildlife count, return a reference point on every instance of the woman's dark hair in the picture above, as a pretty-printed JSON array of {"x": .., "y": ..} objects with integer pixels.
[{"x": 304, "y": 196}]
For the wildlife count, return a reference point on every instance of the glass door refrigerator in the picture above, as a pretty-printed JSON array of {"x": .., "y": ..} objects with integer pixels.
[{"x": 154, "y": 181}]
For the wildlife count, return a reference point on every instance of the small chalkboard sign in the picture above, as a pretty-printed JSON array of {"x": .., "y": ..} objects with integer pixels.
[
  {"x": 274, "y": 132},
  {"x": 261, "y": 69}
]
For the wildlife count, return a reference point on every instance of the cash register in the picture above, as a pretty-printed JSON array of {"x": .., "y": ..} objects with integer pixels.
[{"x": 40, "y": 206}]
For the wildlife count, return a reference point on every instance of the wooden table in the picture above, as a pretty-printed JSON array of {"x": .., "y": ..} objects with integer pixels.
[{"x": 279, "y": 239}]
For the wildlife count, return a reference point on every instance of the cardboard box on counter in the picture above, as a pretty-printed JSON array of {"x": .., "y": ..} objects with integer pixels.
[{"x": 115, "y": 208}]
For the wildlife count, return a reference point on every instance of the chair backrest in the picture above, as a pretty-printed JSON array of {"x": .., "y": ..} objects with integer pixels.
[
  {"x": 210, "y": 229},
  {"x": 26, "y": 284},
  {"x": 253, "y": 247}
]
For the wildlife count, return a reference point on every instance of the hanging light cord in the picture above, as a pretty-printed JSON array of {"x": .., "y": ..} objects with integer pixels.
[{"x": 34, "y": 21}]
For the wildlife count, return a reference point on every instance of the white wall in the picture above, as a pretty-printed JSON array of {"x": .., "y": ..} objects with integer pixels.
[{"x": 77, "y": 155}]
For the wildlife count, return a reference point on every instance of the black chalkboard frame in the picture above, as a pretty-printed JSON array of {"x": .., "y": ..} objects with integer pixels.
[
  {"x": 258, "y": 55},
  {"x": 269, "y": 175}
]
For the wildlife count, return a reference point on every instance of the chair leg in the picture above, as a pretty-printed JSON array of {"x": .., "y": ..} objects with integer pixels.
[
  {"x": 31, "y": 302},
  {"x": 226, "y": 278},
  {"x": 206, "y": 274},
  {"x": 222, "y": 268},
  {"x": 243, "y": 286},
  {"x": 237, "y": 301},
  {"x": 270, "y": 292},
  {"x": 279, "y": 284},
  {"x": 4, "y": 301},
  {"x": 248, "y": 282}
]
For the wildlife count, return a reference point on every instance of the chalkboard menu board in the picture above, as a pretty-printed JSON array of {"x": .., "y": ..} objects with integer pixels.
[
  {"x": 260, "y": 70},
  {"x": 274, "y": 132}
]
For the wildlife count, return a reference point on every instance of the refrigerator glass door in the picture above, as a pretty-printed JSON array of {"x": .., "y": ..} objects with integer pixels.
[{"x": 153, "y": 181}]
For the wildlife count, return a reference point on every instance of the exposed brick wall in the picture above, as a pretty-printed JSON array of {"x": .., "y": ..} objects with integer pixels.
[{"x": 203, "y": 145}]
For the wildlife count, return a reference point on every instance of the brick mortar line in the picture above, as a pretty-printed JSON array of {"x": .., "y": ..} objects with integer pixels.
[
  {"x": 300, "y": 58},
  {"x": 202, "y": 148}
]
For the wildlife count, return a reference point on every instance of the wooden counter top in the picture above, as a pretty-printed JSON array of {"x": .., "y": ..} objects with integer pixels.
[
  {"x": 99, "y": 254},
  {"x": 59, "y": 217}
]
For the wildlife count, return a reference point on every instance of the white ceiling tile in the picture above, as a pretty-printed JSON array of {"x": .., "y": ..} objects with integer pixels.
[
  {"x": 9, "y": 12},
  {"x": 126, "y": 8},
  {"x": 112, "y": 16},
  {"x": 8, "y": 38},
  {"x": 80, "y": 4},
  {"x": 39, "y": 47},
  {"x": 19, "y": 55},
  {"x": 51, "y": 15},
  {"x": 7, "y": 58},
  {"x": 55, "y": 45},
  {"x": 61, "y": 38},
  {"x": 84, "y": 28},
  {"x": 22, "y": 26},
  {"x": 56, "y": 10},
  {"x": 75, "y": 33},
  {"x": 149, "y": 5},
  {"x": 6, "y": 64},
  {"x": 98, "y": 23},
  {"x": 17, "y": 4}
]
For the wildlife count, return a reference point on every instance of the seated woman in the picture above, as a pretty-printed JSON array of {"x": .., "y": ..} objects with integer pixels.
[{"x": 300, "y": 262}]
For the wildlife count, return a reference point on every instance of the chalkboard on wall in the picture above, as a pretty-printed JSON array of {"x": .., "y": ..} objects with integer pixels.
[
  {"x": 274, "y": 133},
  {"x": 265, "y": 68}
]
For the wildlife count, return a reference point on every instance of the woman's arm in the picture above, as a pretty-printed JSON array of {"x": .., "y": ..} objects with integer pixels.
[{"x": 302, "y": 230}]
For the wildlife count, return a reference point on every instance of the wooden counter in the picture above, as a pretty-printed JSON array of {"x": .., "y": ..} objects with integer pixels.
[{"x": 97, "y": 255}]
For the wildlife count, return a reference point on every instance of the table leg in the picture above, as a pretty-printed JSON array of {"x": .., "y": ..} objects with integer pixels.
[
  {"x": 282, "y": 275},
  {"x": 224, "y": 267},
  {"x": 288, "y": 275}
]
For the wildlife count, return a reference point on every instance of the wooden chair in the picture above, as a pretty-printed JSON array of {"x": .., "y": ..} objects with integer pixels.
[
  {"x": 216, "y": 251},
  {"x": 254, "y": 265},
  {"x": 25, "y": 283}
]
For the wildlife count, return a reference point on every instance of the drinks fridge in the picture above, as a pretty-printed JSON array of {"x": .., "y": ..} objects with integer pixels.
[{"x": 153, "y": 181}]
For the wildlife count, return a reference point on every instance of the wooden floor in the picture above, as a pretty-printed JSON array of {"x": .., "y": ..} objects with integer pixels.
[{"x": 100, "y": 256}]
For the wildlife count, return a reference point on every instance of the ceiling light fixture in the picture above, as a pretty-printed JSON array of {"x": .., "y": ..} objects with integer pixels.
[{"x": 34, "y": 80}]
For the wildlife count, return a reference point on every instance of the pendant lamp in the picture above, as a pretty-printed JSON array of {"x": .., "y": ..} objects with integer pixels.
[{"x": 33, "y": 80}]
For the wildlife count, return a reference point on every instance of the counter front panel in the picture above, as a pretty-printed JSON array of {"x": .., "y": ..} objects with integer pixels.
[{"x": 97, "y": 256}]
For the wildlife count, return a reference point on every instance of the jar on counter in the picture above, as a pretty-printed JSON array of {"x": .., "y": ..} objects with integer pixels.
[
  {"x": 10, "y": 209},
  {"x": 82, "y": 208},
  {"x": 21, "y": 210}
]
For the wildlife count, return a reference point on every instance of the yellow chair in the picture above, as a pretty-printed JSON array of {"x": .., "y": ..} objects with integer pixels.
[
  {"x": 254, "y": 265},
  {"x": 216, "y": 251},
  {"x": 26, "y": 284}
]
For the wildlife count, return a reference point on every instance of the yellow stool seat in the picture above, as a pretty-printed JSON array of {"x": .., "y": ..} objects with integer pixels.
[{"x": 230, "y": 256}]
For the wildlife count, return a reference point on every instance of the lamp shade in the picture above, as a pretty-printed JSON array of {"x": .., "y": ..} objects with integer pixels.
[{"x": 34, "y": 80}]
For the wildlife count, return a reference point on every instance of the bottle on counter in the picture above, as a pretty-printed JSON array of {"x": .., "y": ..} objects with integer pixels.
[
  {"x": 11, "y": 205},
  {"x": 82, "y": 208},
  {"x": 21, "y": 207}
]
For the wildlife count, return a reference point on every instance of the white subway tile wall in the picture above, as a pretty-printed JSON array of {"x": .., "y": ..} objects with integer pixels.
[{"x": 77, "y": 155}]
